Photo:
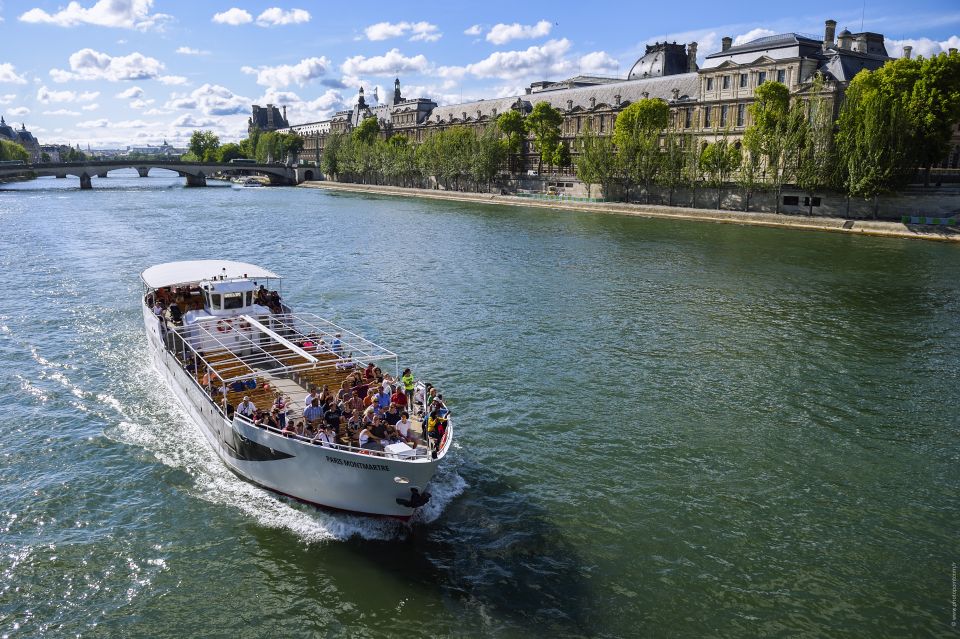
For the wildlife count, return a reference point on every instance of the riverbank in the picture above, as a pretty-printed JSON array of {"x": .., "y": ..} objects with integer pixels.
[{"x": 882, "y": 228}]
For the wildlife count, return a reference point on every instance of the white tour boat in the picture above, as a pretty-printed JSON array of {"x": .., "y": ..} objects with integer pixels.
[{"x": 216, "y": 328}]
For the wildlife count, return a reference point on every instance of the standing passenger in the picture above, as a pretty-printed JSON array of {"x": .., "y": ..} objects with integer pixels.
[{"x": 408, "y": 385}]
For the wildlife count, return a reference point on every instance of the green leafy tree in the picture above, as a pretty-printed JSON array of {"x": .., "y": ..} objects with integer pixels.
[
  {"x": 328, "y": 161},
  {"x": 718, "y": 161},
  {"x": 13, "y": 151},
  {"x": 229, "y": 151},
  {"x": 775, "y": 136},
  {"x": 873, "y": 140},
  {"x": 544, "y": 123},
  {"x": 596, "y": 161},
  {"x": 673, "y": 174},
  {"x": 514, "y": 130},
  {"x": 816, "y": 163},
  {"x": 636, "y": 133},
  {"x": 561, "y": 156},
  {"x": 367, "y": 131},
  {"x": 203, "y": 145},
  {"x": 490, "y": 154}
]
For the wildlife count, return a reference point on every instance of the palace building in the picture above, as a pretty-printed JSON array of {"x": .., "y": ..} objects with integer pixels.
[
  {"x": 705, "y": 101},
  {"x": 22, "y": 137}
]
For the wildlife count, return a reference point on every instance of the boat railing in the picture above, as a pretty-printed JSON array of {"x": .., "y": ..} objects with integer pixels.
[{"x": 418, "y": 453}]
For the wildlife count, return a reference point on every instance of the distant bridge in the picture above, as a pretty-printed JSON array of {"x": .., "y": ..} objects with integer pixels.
[{"x": 196, "y": 173}]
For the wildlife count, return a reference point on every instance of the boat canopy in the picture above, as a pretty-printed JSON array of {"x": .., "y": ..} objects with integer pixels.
[{"x": 193, "y": 271}]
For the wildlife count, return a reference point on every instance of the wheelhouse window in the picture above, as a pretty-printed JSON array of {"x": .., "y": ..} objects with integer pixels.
[
  {"x": 232, "y": 301},
  {"x": 215, "y": 301}
]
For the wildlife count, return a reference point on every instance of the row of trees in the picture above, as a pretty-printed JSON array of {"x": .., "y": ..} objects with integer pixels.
[
  {"x": 264, "y": 147},
  {"x": 13, "y": 151}
]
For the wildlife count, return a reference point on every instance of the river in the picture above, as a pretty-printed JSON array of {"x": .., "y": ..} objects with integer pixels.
[{"x": 665, "y": 428}]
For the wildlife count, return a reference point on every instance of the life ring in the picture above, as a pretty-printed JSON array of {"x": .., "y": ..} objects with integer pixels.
[
  {"x": 244, "y": 325},
  {"x": 224, "y": 325}
]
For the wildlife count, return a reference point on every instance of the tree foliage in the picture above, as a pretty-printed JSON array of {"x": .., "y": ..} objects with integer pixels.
[
  {"x": 13, "y": 151},
  {"x": 203, "y": 145},
  {"x": 597, "y": 160},
  {"x": 636, "y": 133},
  {"x": 544, "y": 123},
  {"x": 718, "y": 161}
]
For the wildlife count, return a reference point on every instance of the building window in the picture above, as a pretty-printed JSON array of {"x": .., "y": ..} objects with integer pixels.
[
  {"x": 723, "y": 115},
  {"x": 601, "y": 124},
  {"x": 578, "y": 124},
  {"x": 743, "y": 80},
  {"x": 709, "y": 84},
  {"x": 726, "y": 82},
  {"x": 781, "y": 76},
  {"x": 688, "y": 118},
  {"x": 741, "y": 112},
  {"x": 791, "y": 200},
  {"x": 761, "y": 77},
  {"x": 706, "y": 117}
]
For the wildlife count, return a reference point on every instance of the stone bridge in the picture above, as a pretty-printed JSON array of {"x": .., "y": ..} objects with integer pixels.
[{"x": 196, "y": 173}]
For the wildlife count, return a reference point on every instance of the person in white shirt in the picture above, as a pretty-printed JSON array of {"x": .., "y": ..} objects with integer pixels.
[
  {"x": 312, "y": 395},
  {"x": 157, "y": 309},
  {"x": 325, "y": 437},
  {"x": 404, "y": 428},
  {"x": 247, "y": 408}
]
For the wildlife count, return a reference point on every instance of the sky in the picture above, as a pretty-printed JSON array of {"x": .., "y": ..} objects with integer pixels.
[{"x": 118, "y": 73}]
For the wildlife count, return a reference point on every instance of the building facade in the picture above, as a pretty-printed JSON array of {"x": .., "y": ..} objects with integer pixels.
[
  {"x": 22, "y": 137},
  {"x": 706, "y": 101}
]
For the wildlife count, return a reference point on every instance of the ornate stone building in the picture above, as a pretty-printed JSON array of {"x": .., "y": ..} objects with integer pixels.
[
  {"x": 267, "y": 119},
  {"x": 704, "y": 101},
  {"x": 22, "y": 137}
]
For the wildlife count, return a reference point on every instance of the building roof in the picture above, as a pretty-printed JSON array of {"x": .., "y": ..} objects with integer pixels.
[{"x": 629, "y": 91}]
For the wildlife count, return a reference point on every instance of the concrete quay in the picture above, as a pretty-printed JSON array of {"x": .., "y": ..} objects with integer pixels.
[{"x": 880, "y": 228}]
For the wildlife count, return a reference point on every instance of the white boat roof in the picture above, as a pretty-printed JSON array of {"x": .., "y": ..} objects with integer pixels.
[{"x": 192, "y": 271}]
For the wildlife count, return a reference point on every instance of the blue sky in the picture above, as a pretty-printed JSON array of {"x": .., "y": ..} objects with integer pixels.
[{"x": 113, "y": 73}]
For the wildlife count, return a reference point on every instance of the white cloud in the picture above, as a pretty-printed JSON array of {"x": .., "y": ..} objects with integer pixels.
[
  {"x": 211, "y": 99},
  {"x": 598, "y": 62},
  {"x": 61, "y": 112},
  {"x": 131, "y": 124},
  {"x": 140, "y": 104},
  {"x": 286, "y": 74},
  {"x": 9, "y": 74},
  {"x": 128, "y": 14},
  {"x": 233, "y": 17},
  {"x": 418, "y": 31},
  {"x": 7, "y": 98},
  {"x": 542, "y": 61},
  {"x": 132, "y": 92},
  {"x": 922, "y": 46},
  {"x": 751, "y": 35},
  {"x": 172, "y": 79},
  {"x": 191, "y": 51},
  {"x": 156, "y": 112},
  {"x": 46, "y": 96},
  {"x": 188, "y": 121},
  {"x": 274, "y": 17},
  {"x": 90, "y": 107},
  {"x": 475, "y": 30},
  {"x": 18, "y": 111},
  {"x": 390, "y": 63},
  {"x": 503, "y": 33},
  {"x": 87, "y": 64},
  {"x": 102, "y": 123}
]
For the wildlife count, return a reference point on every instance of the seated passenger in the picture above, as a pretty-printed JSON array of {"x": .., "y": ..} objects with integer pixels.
[
  {"x": 325, "y": 437},
  {"x": 280, "y": 405},
  {"x": 404, "y": 427},
  {"x": 392, "y": 414},
  {"x": 368, "y": 440},
  {"x": 176, "y": 315},
  {"x": 157, "y": 309},
  {"x": 399, "y": 397},
  {"x": 314, "y": 414},
  {"x": 368, "y": 373},
  {"x": 247, "y": 408}
]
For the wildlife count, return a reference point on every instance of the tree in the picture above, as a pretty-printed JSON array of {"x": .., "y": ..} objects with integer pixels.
[
  {"x": 488, "y": 159},
  {"x": 873, "y": 140},
  {"x": 636, "y": 133},
  {"x": 775, "y": 134},
  {"x": 328, "y": 161},
  {"x": 718, "y": 160},
  {"x": 544, "y": 123},
  {"x": 367, "y": 131},
  {"x": 749, "y": 177},
  {"x": 672, "y": 170},
  {"x": 596, "y": 162},
  {"x": 13, "y": 151},
  {"x": 561, "y": 156},
  {"x": 512, "y": 126},
  {"x": 203, "y": 145},
  {"x": 816, "y": 165},
  {"x": 229, "y": 151}
]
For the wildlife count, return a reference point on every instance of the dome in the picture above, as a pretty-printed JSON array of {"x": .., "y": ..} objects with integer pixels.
[
  {"x": 6, "y": 131},
  {"x": 660, "y": 59},
  {"x": 649, "y": 66}
]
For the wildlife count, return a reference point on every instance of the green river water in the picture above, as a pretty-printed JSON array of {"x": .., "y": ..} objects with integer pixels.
[{"x": 664, "y": 428}]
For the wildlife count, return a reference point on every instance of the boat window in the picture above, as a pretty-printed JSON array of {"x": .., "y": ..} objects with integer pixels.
[
  {"x": 215, "y": 301},
  {"x": 249, "y": 296},
  {"x": 232, "y": 301}
]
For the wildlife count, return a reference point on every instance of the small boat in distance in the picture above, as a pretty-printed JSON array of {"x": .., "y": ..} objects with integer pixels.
[
  {"x": 225, "y": 338},
  {"x": 249, "y": 183}
]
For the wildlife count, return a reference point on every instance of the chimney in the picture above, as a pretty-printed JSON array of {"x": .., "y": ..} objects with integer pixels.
[
  {"x": 569, "y": 105},
  {"x": 727, "y": 41},
  {"x": 593, "y": 103},
  {"x": 829, "y": 29},
  {"x": 862, "y": 42},
  {"x": 692, "y": 57},
  {"x": 843, "y": 41},
  {"x": 284, "y": 112},
  {"x": 907, "y": 50}
]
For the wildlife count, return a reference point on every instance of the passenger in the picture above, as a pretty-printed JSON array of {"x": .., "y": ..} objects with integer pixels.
[
  {"x": 408, "y": 385},
  {"x": 405, "y": 428},
  {"x": 368, "y": 373},
  {"x": 331, "y": 416},
  {"x": 247, "y": 408},
  {"x": 325, "y": 437},
  {"x": 291, "y": 429},
  {"x": 176, "y": 315},
  {"x": 312, "y": 395},
  {"x": 325, "y": 394},
  {"x": 368, "y": 440},
  {"x": 310, "y": 433},
  {"x": 378, "y": 376},
  {"x": 263, "y": 299},
  {"x": 399, "y": 397},
  {"x": 337, "y": 345},
  {"x": 272, "y": 419},
  {"x": 392, "y": 414},
  {"x": 205, "y": 380},
  {"x": 371, "y": 398},
  {"x": 280, "y": 405},
  {"x": 383, "y": 400},
  {"x": 434, "y": 429},
  {"x": 157, "y": 309},
  {"x": 313, "y": 414}
]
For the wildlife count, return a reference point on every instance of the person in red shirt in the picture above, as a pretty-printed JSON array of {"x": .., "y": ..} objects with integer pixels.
[{"x": 399, "y": 397}]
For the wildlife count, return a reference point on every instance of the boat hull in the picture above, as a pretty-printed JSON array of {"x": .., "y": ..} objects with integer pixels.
[{"x": 322, "y": 476}]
